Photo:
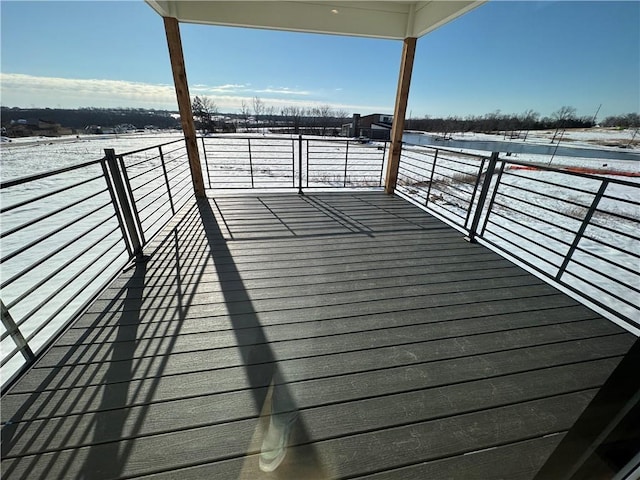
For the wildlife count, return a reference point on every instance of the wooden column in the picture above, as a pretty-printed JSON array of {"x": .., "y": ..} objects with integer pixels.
[
  {"x": 184, "y": 102},
  {"x": 402, "y": 95}
]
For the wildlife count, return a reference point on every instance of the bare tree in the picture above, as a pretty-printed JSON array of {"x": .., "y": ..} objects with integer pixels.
[
  {"x": 529, "y": 118},
  {"x": 562, "y": 117},
  {"x": 293, "y": 116},
  {"x": 204, "y": 109},
  {"x": 325, "y": 113},
  {"x": 270, "y": 114},
  {"x": 341, "y": 115},
  {"x": 258, "y": 108},
  {"x": 245, "y": 113}
]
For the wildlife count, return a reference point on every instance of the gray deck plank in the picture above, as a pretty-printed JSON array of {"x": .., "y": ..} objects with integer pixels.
[
  {"x": 518, "y": 461},
  {"x": 249, "y": 342},
  {"x": 367, "y": 412},
  {"x": 407, "y": 352},
  {"x": 350, "y": 455},
  {"x": 334, "y": 326},
  {"x": 316, "y": 387}
]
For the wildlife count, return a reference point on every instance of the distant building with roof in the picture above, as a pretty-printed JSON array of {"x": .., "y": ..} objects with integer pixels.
[
  {"x": 36, "y": 127},
  {"x": 376, "y": 126}
]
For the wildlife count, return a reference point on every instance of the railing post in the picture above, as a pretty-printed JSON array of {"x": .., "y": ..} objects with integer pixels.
[
  {"x": 132, "y": 202},
  {"x": 384, "y": 154},
  {"x": 494, "y": 194},
  {"x": 346, "y": 162},
  {"x": 433, "y": 171},
  {"x": 473, "y": 230},
  {"x": 206, "y": 161},
  {"x": 300, "y": 192},
  {"x": 15, "y": 333},
  {"x": 475, "y": 190},
  {"x": 114, "y": 202},
  {"x": 307, "y": 163},
  {"x": 124, "y": 204},
  {"x": 166, "y": 180},
  {"x": 583, "y": 227},
  {"x": 250, "y": 161}
]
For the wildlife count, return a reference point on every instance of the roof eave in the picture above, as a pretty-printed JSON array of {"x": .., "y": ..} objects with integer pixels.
[{"x": 377, "y": 19}]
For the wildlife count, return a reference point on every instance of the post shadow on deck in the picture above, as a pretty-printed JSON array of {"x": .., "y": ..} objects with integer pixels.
[{"x": 258, "y": 359}]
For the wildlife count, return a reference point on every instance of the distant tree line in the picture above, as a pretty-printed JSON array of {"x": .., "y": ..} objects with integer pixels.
[
  {"x": 321, "y": 119},
  {"x": 80, "y": 118},
  {"x": 630, "y": 120},
  {"x": 496, "y": 121}
]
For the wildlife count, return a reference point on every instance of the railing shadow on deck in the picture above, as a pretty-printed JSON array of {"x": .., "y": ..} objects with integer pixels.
[{"x": 115, "y": 401}]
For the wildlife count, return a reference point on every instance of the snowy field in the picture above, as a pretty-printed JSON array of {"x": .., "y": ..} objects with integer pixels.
[
  {"x": 527, "y": 221},
  {"x": 30, "y": 155},
  {"x": 604, "y": 138}
]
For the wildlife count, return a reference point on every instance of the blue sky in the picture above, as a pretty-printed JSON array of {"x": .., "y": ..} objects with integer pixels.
[{"x": 507, "y": 56}]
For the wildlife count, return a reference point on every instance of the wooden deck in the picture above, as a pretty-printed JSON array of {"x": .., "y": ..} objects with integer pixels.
[{"x": 405, "y": 351}]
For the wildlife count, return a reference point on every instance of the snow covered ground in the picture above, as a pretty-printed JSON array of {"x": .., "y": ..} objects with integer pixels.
[
  {"x": 30, "y": 155},
  {"x": 607, "y": 138}
]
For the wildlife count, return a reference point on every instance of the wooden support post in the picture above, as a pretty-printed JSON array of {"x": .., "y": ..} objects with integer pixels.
[
  {"x": 402, "y": 95},
  {"x": 184, "y": 102}
]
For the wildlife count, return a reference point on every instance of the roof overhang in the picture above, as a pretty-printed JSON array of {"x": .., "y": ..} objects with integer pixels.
[{"x": 377, "y": 19}]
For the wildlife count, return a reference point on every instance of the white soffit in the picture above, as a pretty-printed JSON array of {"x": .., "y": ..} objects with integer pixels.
[{"x": 378, "y": 19}]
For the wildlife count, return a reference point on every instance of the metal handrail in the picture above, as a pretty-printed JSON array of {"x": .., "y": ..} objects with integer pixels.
[
  {"x": 554, "y": 226},
  {"x": 64, "y": 244}
]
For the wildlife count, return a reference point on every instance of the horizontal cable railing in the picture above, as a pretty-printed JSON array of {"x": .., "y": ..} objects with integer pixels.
[
  {"x": 579, "y": 230},
  {"x": 249, "y": 162},
  {"x": 343, "y": 163},
  {"x": 158, "y": 181},
  {"x": 60, "y": 234},
  {"x": 444, "y": 180},
  {"x": 68, "y": 232},
  {"x": 291, "y": 162}
]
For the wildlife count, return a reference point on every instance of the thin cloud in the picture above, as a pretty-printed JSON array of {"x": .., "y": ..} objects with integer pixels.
[
  {"x": 245, "y": 88},
  {"x": 227, "y": 88},
  {"x": 20, "y": 90},
  {"x": 26, "y": 90},
  {"x": 283, "y": 91}
]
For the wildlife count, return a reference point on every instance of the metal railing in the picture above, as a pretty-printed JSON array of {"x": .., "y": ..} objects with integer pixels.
[
  {"x": 344, "y": 163},
  {"x": 158, "y": 182},
  {"x": 249, "y": 162},
  {"x": 239, "y": 162},
  {"x": 67, "y": 233},
  {"x": 576, "y": 229}
]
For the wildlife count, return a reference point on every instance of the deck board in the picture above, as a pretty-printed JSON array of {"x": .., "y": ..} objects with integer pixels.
[{"x": 408, "y": 353}]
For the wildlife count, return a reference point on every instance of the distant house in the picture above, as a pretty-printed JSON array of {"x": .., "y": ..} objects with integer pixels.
[
  {"x": 93, "y": 129},
  {"x": 376, "y": 126},
  {"x": 38, "y": 127}
]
